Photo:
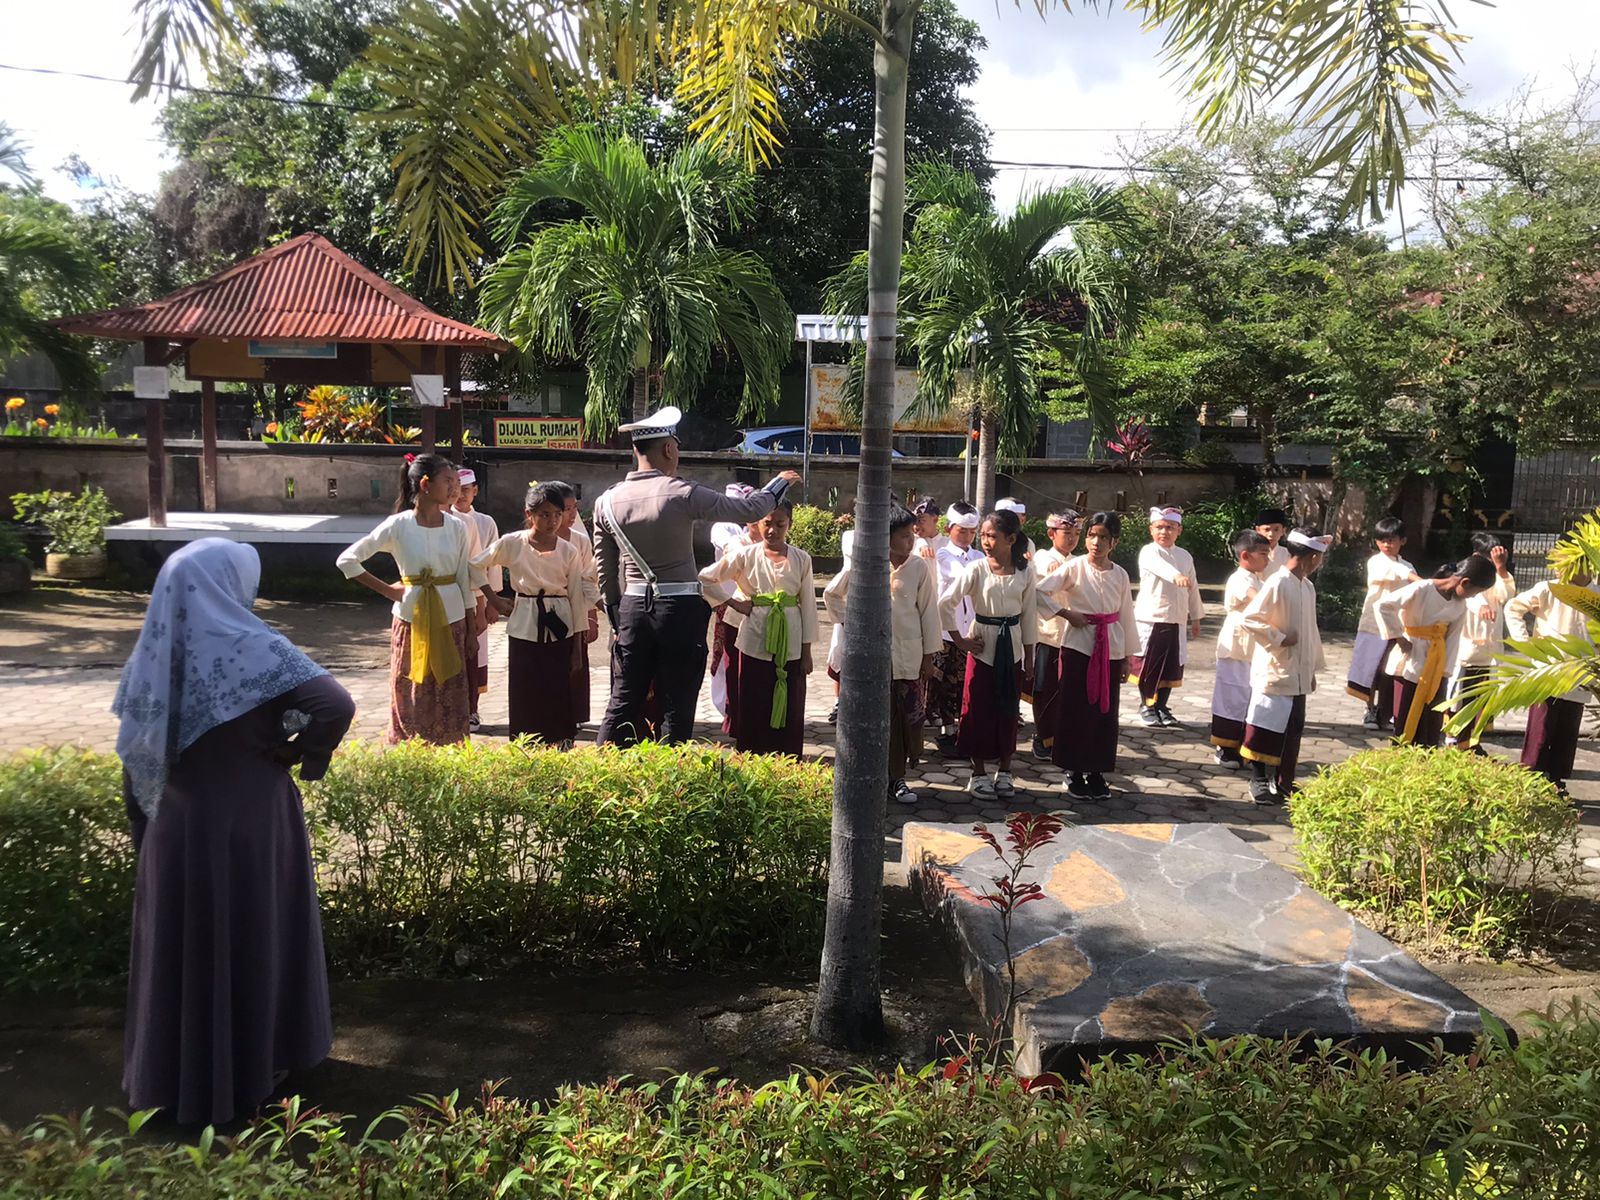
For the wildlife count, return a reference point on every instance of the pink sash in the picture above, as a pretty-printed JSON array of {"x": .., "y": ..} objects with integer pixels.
[{"x": 1098, "y": 680}]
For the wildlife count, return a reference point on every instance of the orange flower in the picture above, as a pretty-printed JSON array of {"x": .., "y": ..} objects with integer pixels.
[
  {"x": 52, "y": 410},
  {"x": 15, "y": 403},
  {"x": 272, "y": 427},
  {"x": 41, "y": 423}
]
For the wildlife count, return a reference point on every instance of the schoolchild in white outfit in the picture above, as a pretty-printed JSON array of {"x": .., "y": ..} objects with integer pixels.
[{"x": 1230, "y": 694}]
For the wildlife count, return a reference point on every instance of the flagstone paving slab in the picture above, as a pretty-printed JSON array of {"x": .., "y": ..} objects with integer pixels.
[{"x": 1148, "y": 932}]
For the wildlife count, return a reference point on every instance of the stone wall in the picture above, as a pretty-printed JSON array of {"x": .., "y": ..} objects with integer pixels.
[{"x": 296, "y": 478}]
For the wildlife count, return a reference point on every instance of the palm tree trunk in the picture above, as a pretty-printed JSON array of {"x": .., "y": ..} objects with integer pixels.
[
  {"x": 849, "y": 1009},
  {"x": 641, "y": 393},
  {"x": 988, "y": 439}
]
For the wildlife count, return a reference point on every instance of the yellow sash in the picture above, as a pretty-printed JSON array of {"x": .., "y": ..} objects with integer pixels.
[
  {"x": 433, "y": 646},
  {"x": 777, "y": 641},
  {"x": 1432, "y": 675}
]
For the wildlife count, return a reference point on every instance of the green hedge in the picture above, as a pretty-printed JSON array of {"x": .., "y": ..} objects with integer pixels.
[
  {"x": 1446, "y": 846},
  {"x": 1239, "y": 1118},
  {"x": 818, "y": 531},
  {"x": 467, "y": 858}
]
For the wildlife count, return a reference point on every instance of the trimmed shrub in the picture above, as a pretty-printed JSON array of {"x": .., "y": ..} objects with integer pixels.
[
  {"x": 1447, "y": 847},
  {"x": 66, "y": 869},
  {"x": 817, "y": 531},
  {"x": 1236, "y": 1118},
  {"x": 439, "y": 858},
  {"x": 467, "y": 858}
]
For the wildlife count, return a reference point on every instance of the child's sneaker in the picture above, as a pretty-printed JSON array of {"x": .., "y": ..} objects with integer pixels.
[
  {"x": 1077, "y": 787},
  {"x": 1040, "y": 750},
  {"x": 1229, "y": 757},
  {"x": 1149, "y": 717},
  {"x": 1099, "y": 789},
  {"x": 1003, "y": 785},
  {"x": 1167, "y": 719},
  {"x": 901, "y": 793},
  {"x": 980, "y": 786},
  {"x": 1369, "y": 719}
]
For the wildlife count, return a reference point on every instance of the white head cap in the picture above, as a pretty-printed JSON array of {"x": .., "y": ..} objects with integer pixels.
[
  {"x": 1175, "y": 515},
  {"x": 662, "y": 423},
  {"x": 1011, "y": 504},
  {"x": 960, "y": 519},
  {"x": 467, "y": 476},
  {"x": 1318, "y": 544},
  {"x": 738, "y": 490}
]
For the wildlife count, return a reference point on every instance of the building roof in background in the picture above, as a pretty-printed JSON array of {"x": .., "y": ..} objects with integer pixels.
[{"x": 304, "y": 290}]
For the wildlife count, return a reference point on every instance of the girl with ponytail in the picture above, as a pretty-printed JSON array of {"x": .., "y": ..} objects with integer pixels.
[{"x": 435, "y": 618}]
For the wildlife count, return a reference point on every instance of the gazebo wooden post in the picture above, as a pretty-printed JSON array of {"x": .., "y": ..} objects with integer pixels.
[
  {"x": 155, "y": 355},
  {"x": 452, "y": 391},
  {"x": 430, "y": 422},
  {"x": 208, "y": 445}
]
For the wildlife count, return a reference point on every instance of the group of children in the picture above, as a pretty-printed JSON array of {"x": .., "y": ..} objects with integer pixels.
[
  {"x": 979, "y": 621},
  {"x": 454, "y": 567}
]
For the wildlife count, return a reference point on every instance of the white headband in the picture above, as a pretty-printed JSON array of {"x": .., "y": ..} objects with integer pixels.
[
  {"x": 1175, "y": 515},
  {"x": 466, "y": 475},
  {"x": 738, "y": 490},
  {"x": 961, "y": 519},
  {"x": 1010, "y": 505},
  {"x": 1320, "y": 545}
]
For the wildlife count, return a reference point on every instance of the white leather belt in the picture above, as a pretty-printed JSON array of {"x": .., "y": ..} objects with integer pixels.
[{"x": 662, "y": 589}]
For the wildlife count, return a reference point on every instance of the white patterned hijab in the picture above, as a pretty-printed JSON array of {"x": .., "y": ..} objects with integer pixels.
[{"x": 203, "y": 658}]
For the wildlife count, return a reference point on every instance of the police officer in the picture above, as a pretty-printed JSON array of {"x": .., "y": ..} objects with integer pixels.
[{"x": 644, "y": 546}]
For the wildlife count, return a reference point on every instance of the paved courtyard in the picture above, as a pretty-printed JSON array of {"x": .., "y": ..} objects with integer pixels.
[{"x": 61, "y": 652}]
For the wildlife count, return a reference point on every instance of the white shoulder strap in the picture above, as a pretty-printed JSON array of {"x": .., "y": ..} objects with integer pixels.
[{"x": 622, "y": 539}]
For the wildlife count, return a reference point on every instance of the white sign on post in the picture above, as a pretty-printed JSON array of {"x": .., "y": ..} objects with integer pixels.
[
  {"x": 150, "y": 383},
  {"x": 428, "y": 390}
]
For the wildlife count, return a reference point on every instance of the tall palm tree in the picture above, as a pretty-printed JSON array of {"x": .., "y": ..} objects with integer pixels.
[
  {"x": 13, "y": 156},
  {"x": 990, "y": 301},
  {"x": 636, "y": 283},
  {"x": 470, "y": 78},
  {"x": 43, "y": 273}
]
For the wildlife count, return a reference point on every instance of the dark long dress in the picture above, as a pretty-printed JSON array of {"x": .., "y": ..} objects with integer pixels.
[{"x": 227, "y": 982}]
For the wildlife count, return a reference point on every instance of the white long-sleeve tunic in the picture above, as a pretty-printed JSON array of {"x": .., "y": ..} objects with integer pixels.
[
  {"x": 1046, "y": 564},
  {"x": 558, "y": 574},
  {"x": 1417, "y": 605},
  {"x": 992, "y": 595},
  {"x": 914, "y": 628},
  {"x": 1483, "y": 632},
  {"x": 1085, "y": 588},
  {"x": 1232, "y": 641},
  {"x": 1161, "y": 601},
  {"x": 1550, "y": 618},
  {"x": 1385, "y": 575},
  {"x": 1284, "y": 605},
  {"x": 415, "y": 548},
  {"x": 755, "y": 574}
]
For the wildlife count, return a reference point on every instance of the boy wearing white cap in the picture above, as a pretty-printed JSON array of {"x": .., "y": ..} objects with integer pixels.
[
  {"x": 1012, "y": 505},
  {"x": 483, "y": 530},
  {"x": 1167, "y": 613},
  {"x": 1285, "y": 657}
]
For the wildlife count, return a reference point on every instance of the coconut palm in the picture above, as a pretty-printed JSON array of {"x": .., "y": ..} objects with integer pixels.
[
  {"x": 13, "y": 156},
  {"x": 636, "y": 284},
  {"x": 1533, "y": 670},
  {"x": 989, "y": 302},
  {"x": 473, "y": 80},
  {"x": 42, "y": 269}
]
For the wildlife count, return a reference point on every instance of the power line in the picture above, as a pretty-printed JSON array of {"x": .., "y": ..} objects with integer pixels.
[{"x": 235, "y": 93}]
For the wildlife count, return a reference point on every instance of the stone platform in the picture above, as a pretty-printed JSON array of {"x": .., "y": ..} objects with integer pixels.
[{"x": 1149, "y": 931}]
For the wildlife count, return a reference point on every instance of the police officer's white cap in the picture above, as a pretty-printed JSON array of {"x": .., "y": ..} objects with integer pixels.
[{"x": 662, "y": 423}]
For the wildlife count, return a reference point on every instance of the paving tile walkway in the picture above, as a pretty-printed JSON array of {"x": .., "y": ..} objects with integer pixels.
[{"x": 1163, "y": 775}]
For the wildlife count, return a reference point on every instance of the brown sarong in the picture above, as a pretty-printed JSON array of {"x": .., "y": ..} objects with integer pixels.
[{"x": 433, "y": 711}]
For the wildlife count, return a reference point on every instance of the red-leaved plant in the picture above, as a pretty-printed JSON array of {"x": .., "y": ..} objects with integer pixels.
[{"x": 1132, "y": 443}]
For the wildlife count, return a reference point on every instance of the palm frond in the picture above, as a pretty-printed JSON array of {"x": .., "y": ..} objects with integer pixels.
[
  {"x": 1577, "y": 552},
  {"x": 14, "y": 157},
  {"x": 1349, "y": 69},
  {"x": 1528, "y": 673},
  {"x": 173, "y": 31}
]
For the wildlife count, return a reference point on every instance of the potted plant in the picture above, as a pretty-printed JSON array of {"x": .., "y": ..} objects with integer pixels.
[
  {"x": 16, "y": 572},
  {"x": 77, "y": 528}
]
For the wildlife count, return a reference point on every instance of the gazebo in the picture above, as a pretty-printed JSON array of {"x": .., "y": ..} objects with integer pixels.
[{"x": 303, "y": 312}]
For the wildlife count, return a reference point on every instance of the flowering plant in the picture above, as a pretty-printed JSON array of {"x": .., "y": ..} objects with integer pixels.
[{"x": 76, "y": 523}]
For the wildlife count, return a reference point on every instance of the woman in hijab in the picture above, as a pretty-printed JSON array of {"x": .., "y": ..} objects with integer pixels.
[{"x": 227, "y": 987}]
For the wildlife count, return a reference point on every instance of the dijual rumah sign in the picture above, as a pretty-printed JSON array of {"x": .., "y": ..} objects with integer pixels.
[{"x": 544, "y": 433}]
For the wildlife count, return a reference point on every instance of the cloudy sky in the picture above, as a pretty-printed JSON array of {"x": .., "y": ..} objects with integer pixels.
[{"x": 1063, "y": 89}]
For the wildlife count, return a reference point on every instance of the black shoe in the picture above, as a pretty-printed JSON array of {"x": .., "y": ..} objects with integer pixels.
[
  {"x": 1167, "y": 719},
  {"x": 1261, "y": 792},
  {"x": 1078, "y": 787},
  {"x": 1098, "y": 787},
  {"x": 833, "y": 715},
  {"x": 1227, "y": 756},
  {"x": 901, "y": 793},
  {"x": 946, "y": 743},
  {"x": 1369, "y": 719},
  {"x": 1040, "y": 750},
  {"x": 1149, "y": 717}
]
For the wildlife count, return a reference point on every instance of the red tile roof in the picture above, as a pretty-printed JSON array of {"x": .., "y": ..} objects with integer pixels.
[{"x": 304, "y": 290}]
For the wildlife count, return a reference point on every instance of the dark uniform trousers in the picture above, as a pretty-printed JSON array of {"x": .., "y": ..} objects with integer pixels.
[{"x": 663, "y": 645}]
